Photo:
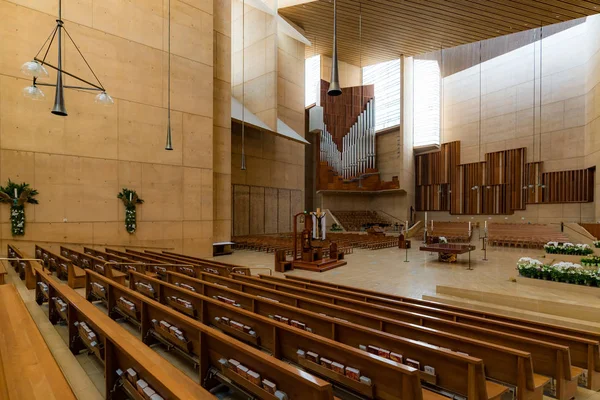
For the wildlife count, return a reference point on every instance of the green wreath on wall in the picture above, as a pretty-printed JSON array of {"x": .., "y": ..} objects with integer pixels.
[
  {"x": 130, "y": 200},
  {"x": 17, "y": 194}
]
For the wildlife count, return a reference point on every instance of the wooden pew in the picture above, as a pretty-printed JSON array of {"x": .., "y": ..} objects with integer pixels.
[
  {"x": 448, "y": 362},
  {"x": 422, "y": 305},
  {"x": 585, "y": 352},
  {"x": 205, "y": 346},
  {"x": 549, "y": 359},
  {"x": 23, "y": 267},
  {"x": 212, "y": 267},
  {"x": 392, "y": 380},
  {"x": 29, "y": 371},
  {"x": 64, "y": 267},
  {"x": 188, "y": 267},
  {"x": 87, "y": 261},
  {"x": 119, "y": 350},
  {"x": 122, "y": 264}
]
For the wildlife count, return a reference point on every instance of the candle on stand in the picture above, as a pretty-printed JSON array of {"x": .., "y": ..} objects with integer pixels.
[
  {"x": 469, "y": 226},
  {"x": 425, "y": 220},
  {"x": 406, "y": 228}
]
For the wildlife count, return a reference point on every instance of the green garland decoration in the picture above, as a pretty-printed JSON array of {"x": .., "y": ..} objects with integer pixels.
[
  {"x": 17, "y": 195},
  {"x": 130, "y": 200}
]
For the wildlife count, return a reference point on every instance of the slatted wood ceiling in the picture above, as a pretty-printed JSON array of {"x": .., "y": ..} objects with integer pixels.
[{"x": 391, "y": 28}]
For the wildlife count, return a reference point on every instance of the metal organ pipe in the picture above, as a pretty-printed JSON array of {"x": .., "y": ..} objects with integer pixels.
[{"x": 358, "y": 146}]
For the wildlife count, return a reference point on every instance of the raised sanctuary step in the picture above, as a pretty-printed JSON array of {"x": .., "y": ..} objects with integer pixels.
[{"x": 514, "y": 312}]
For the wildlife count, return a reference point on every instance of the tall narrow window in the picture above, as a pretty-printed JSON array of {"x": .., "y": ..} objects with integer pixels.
[
  {"x": 427, "y": 85},
  {"x": 386, "y": 78},
  {"x": 312, "y": 80}
]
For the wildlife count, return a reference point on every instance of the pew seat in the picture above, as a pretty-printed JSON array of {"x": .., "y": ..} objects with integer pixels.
[
  {"x": 29, "y": 370},
  {"x": 76, "y": 278}
]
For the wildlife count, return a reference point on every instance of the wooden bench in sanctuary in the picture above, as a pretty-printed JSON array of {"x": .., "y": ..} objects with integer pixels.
[
  {"x": 382, "y": 379},
  {"x": 99, "y": 265},
  {"x": 211, "y": 266},
  {"x": 206, "y": 347},
  {"x": 28, "y": 371},
  {"x": 448, "y": 364},
  {"x": 502, "y": 363},
  {"x": 22, "y": 267},
  {"x": 583, "y": 345},
  {"x": 128, "y": 367},
  {"x": 64, "y": 267}
]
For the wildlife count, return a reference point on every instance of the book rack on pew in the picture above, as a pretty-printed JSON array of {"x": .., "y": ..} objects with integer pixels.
[
  {"x": 123, "y": 351},
  {"x": 391, "y": 380}
]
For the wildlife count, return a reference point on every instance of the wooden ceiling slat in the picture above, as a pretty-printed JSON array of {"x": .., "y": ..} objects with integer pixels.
[
  {"x": 592, "y": 6},
  {"x": 351, "y": 28},
  {"x": 400, "y": 18},
  {"x": 391, "y": 28},
  {"x": 509, "y": 19},
  {"x": 421, "y": 11}
]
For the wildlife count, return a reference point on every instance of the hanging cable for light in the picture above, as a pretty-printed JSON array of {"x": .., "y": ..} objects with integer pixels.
[
  {"x": 37, "y": 70},
  {"x": 243, "y": 167},
  {"x": 334, "y": 85},
  {"x": 169, "y": 144}
]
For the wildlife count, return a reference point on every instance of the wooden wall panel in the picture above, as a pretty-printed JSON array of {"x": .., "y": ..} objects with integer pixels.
[
  {"x": 284, "y": 215},
  {"x": 341, "y": 112},
  {"x": 241, "y": 210},
  {"x": 257, "y": 210},
  {"x": 271, "y": 216},
  {"x": 501, "y": 184}
]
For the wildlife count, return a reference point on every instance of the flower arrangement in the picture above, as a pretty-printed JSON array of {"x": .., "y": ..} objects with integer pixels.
[
  {"x": 17, "y": 195},
  {"x": 443, "y": 239},
  {"x": 568, "y": 248},
  {"x": 597, "y": 243},
  {"x": 130, "y": 200},
  {"x": 592, "y": 261},
  {"x": 566, "y": 272}
]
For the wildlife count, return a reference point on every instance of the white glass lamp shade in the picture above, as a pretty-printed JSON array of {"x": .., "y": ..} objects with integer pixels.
[
  {"x": 33, "y": 92},
  {"x": 104, "y": 99},
  {"x": 34, "y": 69}
]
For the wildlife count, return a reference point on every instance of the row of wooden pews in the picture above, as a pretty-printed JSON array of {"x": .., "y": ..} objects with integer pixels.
[
  {"x": 454, "y": 232},
  {"x": 444, "y": 367},
  {"x": 64, "y": 267},
  {"x": 21, "y": 265},
  {"x": 560, "y": 353},
  {"x": 28, "y": 371},
  {"x": 355, "y": 221},
  {"x": 125, "y": 361},
  {"x": 153, "y": 303},
  {"x": 533, "y": 236}
]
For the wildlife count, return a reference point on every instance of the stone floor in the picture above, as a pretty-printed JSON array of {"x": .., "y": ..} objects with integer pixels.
[{"x": 383, "y": 270}]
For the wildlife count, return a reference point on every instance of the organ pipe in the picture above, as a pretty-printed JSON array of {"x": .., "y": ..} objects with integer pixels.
[{"x": 357, "y": 154}]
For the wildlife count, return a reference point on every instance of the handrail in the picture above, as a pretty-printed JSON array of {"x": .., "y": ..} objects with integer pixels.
[
  {"x": 591, "y": 237},
  {"x": 250, "y": 268}
]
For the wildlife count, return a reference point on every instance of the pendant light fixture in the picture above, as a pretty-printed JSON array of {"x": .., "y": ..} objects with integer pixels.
[
  {"x": 243, "y": 167},
  {"x": 36, "y": 69},
  {"x": 334, "y": 85},
  {"x": 169, "y": 144}
]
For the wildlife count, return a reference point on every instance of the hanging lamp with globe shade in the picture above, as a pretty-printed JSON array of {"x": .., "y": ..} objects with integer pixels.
[{"x": 36, "y": 69}]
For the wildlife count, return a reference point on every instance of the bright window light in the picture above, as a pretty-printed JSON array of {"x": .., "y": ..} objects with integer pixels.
[
  {"x": 386, "y": 78},
  {"x": 427, "y": 85},
  {"x": 312, "y": 80}
]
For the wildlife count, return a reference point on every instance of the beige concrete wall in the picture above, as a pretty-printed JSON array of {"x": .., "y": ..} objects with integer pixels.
[
  {"x": 274, "y": 88},
  {"x": 254, "y": 60},
  {"x": 350, "y": 75},
  {"x": 222, "y": 121},
  {"x": 592, "y": 106},
  {"x": 511, "y": 116},
  {"x": 81, "y": 162}
]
